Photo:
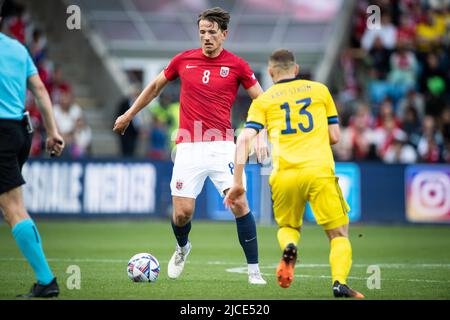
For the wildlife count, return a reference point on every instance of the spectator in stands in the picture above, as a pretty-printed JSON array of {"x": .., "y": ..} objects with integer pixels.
[
  {"x": 445, "y": 129},
  {"x": 16, "y": 25},
  {"x": 167, "y": 111},
  {"x": 400, "y": 151},
  {"x": 82, "y": 139},
  {"x": 128, "y": 141},
  {"x": 412, "y": 99},
  {"x": 349, "y": 92},
  {"x": 384, "y": 136},
  {"x": 379, "y": 58},
  {"x": 44, "y": 71},
  {"x": 434, "y": 83},
  {"x": 413, "y": 10},
  {"x": 446, "y": 16},
  {"x": 67, "y": 113},
  {"x": 387, "y": 33},
  {"x": 406, "y": 32},
  {"x": 37, "y": 46},
  {"x": 446, "y": 153},
  {"x": 345, "y": 111},
  {"x": 158, "y": 145},
  {"x": 412, "y": 125},
  {"x": 377, "y": 88},
  {"x": 57, "y": 85},
  {"x": 404, "y": 69},
  {"x": 445, "y": 124},
  {"x": 386, "y": 112},
  {"x": 441, "y": 16},
  {"x": 361, "y": 134},
  {"x": 343, "y": 150},
  {"x": 431, "y": 144},
  {"x": 429, "y": 33},
  {"x": 359, "y": 23}
]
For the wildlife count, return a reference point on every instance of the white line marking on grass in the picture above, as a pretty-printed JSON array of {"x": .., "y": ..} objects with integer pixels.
[
  {"x": 326, "y": 265},
  {"x": 70, "y": 260},
  {"x": 298, "y": 266},
  {"x": 78, "y": 260},
  {"x": 243, "y": 270}
]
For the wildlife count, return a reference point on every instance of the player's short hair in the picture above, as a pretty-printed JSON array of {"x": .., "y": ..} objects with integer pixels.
[
  {"x": 217, "y": 14},
  {"x": 1, "y": 5},
  {"x": 282, "y": 58}
]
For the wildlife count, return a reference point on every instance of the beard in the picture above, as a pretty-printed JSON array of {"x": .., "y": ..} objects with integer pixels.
[{"x": 209, "y": 49}]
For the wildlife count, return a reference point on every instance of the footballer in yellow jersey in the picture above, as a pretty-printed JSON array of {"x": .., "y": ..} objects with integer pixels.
[
  {"x": 302, "y": 123},
  {"x": 297, "y": 113}
]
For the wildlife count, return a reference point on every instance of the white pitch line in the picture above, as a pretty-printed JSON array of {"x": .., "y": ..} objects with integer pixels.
[
  {"x": 357, "y": 265},
  {"x": 300, "y": 265},
  {"x": 243, "y": 270},
  {"x": 77, "y": 260},
  {"x": 381, "y": 265},
  {"x": 86, "y": 260}
]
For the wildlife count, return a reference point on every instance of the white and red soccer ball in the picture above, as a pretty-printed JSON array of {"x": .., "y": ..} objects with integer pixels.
[{"x": 143, "y": 267}]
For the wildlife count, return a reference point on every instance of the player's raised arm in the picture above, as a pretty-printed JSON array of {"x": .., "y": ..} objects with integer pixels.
[{"x": 148, "y": 94}]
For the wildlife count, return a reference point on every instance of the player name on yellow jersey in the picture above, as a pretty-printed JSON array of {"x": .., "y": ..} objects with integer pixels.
[
  {"x": 290, "y": 91},
  {"x": 296, "y": 113}
]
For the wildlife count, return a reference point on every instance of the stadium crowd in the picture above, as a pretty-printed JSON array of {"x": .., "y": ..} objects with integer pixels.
[
  {"x": 395, "y": 103},
  {"x": 394, "y": 99},
  {"x": 68, "y": 114}
]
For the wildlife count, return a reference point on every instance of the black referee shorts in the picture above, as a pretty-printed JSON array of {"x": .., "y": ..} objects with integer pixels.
[{"x": 15, "y": 144}]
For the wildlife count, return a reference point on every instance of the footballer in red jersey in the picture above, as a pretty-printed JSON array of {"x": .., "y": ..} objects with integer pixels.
[
  {"x": 208, "y": 89},
  {"x": 210, "y": 78}
]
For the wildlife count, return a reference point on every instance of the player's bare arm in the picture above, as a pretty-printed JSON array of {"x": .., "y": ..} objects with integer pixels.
[
  {"x": 255, "y": 91},
  {"x": 55, "y": 143},
  {"x": 148, "y": 94},
  {"x": 334, "y": 132},
  {"x": 242, "y": 151},
  {"x": 261, "y": 146}
]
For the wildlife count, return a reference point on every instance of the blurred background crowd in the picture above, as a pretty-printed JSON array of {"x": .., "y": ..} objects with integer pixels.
[
  {"x": 68, "y": 114},
  {"x": 395, "y": 99},
  {"x": 393, "y": 96}
]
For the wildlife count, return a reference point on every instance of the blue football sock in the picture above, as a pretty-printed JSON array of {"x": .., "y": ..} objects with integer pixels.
[
  {"x": 27, "y": 237},
  {"x": 181, "y": 233},
  {"x": 246, "y": 228}
]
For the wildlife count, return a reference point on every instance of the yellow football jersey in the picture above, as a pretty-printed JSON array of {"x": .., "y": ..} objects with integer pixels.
[{"x": 297, "y": 113}]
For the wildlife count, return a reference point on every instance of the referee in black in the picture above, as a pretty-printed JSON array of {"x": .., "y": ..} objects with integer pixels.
[{"x": 17, "y": 73}]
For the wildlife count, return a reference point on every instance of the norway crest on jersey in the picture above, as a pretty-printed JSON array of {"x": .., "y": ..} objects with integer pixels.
[{"x": 224, "y": 71}]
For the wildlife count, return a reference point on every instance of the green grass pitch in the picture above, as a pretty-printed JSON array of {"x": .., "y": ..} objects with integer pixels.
[{"x": 414, "y": 261}]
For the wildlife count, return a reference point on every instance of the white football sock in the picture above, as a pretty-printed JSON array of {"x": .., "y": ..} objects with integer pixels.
[{"x": 253, "y": 268}]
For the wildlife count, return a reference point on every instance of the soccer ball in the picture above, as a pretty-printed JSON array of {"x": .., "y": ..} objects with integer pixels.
[{"x": 143, "y": 267}]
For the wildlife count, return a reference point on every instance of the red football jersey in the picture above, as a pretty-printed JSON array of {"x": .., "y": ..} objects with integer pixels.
[{"x": 208, "y": 89}]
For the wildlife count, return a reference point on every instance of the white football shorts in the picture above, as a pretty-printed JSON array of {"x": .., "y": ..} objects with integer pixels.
[{"x": 195, "y": 161}]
